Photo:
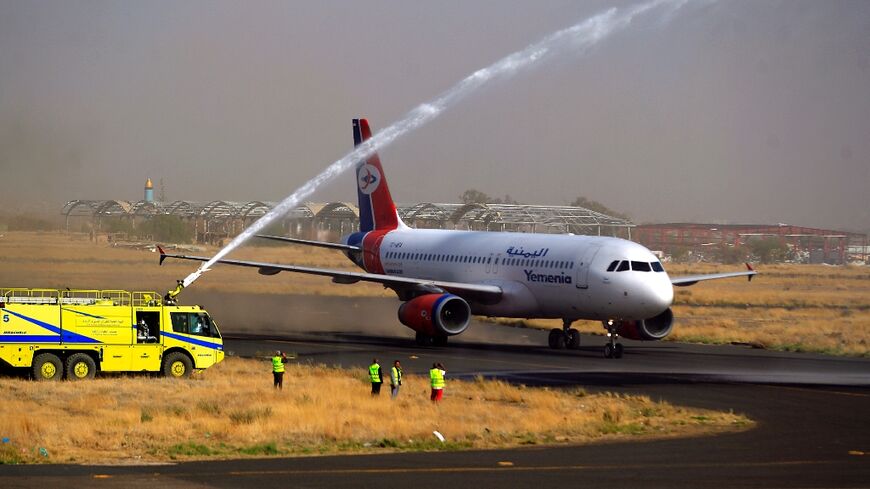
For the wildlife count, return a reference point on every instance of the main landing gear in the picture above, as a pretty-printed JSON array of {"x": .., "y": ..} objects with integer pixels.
[
  {"x": 427, "y": 340},
  {"x": 613, "y": 348},
  {"x": 567, "y": 337}
]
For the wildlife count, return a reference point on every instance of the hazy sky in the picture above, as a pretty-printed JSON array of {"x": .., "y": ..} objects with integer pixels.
[{"x": 743, "y": 111}]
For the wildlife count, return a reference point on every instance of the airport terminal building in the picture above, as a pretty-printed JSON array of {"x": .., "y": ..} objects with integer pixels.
[{"x": 213, "y": 222}]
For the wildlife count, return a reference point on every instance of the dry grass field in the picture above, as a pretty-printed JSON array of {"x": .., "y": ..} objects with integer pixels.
[
  {"x": 788, "y": 307},
  {"x": 232, "y": 410},
  {"x": 54, "y": 260}
]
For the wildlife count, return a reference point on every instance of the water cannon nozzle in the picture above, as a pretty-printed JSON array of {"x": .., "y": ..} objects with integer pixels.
[{"x": 172, "y": 294}]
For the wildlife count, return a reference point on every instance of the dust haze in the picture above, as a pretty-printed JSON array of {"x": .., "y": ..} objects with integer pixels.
[
  {"x": 298, "y": 314},
  {"x": 741, "y": 112}
]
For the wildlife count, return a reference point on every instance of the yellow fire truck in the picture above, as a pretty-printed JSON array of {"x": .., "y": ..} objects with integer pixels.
[{"x": 76, "y": 333}]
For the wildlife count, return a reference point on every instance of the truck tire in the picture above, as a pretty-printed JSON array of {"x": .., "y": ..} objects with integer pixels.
[
  {"x": 177, "y": 365},
  {"x": 80, "y": 366},
  {"x": 47, "y": 366}
]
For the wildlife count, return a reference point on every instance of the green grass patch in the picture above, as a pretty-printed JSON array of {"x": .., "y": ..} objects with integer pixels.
[
  {"x": 189, "y": 449},
  {"x": 270, "y": 448},
  {"x": 9, "y": 455}
]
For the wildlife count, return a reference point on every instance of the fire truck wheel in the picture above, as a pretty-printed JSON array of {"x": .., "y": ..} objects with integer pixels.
[
  {"x": 80, "y": 366},
  {"x": 177, "y": 365},
  {"x": 47, "y": 366}
]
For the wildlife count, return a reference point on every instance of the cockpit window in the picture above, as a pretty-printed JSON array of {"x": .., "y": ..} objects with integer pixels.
[
  {"x": 623, "y": 266},
  {"x": 657, "y": 267},
  {"x": 640, "y": 266},
  {"x": 612, "y": 266}
]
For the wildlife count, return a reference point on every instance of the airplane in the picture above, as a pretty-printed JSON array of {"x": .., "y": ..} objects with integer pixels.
[{"x": 443, "y": 277}]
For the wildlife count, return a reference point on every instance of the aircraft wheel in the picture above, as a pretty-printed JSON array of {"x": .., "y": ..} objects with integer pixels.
[
  {"x": 47, "y": 366},
  {"x": 553, "y": 339},
  {"x": 608, "y": 351},
  {"x": 617, "y": 351},
  {"x": 439, "y": 340},
  {"x": 80, "y": 366},
  {"x": 573, "y": 339}
]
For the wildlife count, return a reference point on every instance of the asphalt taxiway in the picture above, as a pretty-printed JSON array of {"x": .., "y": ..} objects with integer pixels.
[{"x": 812, "y": 414}]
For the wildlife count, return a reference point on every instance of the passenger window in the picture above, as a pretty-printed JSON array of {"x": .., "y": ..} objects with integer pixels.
[
  {"x": 640, "y": 266},
  {"x": 623, "y": 266},
  {"x": 613, "y": 265},
  {"x": 657, "y": 267}
]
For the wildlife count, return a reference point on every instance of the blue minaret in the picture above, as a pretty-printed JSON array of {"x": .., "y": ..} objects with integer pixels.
[{"x": 149, "y": 191}]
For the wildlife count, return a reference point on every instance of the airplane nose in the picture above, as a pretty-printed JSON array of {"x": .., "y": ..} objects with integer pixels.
[{"x": 659, "y": 296}]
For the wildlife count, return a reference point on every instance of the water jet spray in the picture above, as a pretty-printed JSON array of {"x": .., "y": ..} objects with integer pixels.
[{"x": 578, "y": 37}]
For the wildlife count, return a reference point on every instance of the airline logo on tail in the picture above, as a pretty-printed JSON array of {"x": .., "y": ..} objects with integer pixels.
[
  {"x": 368, "y": 179},
  {"x": 376, "y": 208}
]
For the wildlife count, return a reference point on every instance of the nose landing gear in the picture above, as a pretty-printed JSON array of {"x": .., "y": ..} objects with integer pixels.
[
  {"x": 613, "y": 348},
  {"x": 567, "y": 337}
]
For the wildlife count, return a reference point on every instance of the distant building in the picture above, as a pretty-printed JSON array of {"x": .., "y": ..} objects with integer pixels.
[
  {"x": 149, "y": 191},
  {"x": 807, "y": 245}
]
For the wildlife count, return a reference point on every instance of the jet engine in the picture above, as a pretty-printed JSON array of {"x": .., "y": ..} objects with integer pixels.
[
  {"x": 436, "y": 314},
  {"x": 652, "y": 329}
]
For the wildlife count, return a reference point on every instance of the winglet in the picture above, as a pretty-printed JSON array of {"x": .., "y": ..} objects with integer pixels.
[
  {"x": 749, "y": 267},
  {"x": 162, "y": 254}
]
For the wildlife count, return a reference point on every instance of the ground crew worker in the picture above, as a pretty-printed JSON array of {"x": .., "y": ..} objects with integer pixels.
[
  {"x": 395, "y": 379},
  {"x": 278, "y": 362},
  {"x": 375, "y": 377},
  {"x": 436, "y": 379}
]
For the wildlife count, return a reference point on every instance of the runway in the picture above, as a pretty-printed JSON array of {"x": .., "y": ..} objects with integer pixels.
[{"x": 811, "y": 413}]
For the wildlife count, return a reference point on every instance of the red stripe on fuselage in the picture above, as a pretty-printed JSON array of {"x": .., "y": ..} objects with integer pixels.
[{"x": 371, "y": 246}]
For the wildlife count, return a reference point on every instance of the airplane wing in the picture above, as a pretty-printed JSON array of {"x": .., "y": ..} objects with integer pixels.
[
  {"x": 486, "y": 294},
  {"x": 322, "y": 244},
  {"x": 693, "y": 279}
]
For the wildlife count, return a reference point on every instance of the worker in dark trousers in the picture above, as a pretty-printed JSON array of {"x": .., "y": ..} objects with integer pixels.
[
  {"x": 278, "y": 362},
  {"x": 395, "y": 379},
  {"x": 376, "y": 377}
]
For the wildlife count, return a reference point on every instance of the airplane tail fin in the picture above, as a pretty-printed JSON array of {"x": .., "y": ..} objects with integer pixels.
[{"x": 376, "y": 207}]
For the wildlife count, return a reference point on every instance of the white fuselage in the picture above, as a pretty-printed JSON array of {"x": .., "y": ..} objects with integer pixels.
[{"x": 541, "y": 275}]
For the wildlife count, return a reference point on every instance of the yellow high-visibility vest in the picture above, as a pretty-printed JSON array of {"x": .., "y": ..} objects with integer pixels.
[
  {"x": 277, "y": 364},
  {"x": 397, "y": 375},
  {"x": 375, "y": 373},
  {"x": 436, "y": 378}
]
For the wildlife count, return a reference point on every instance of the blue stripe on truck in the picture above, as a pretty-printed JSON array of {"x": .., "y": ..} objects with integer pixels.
[
  {"x": 195, "y": 341},
  {"x": 65, "y": 336},
  {"x": 28, "y": 338}
]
